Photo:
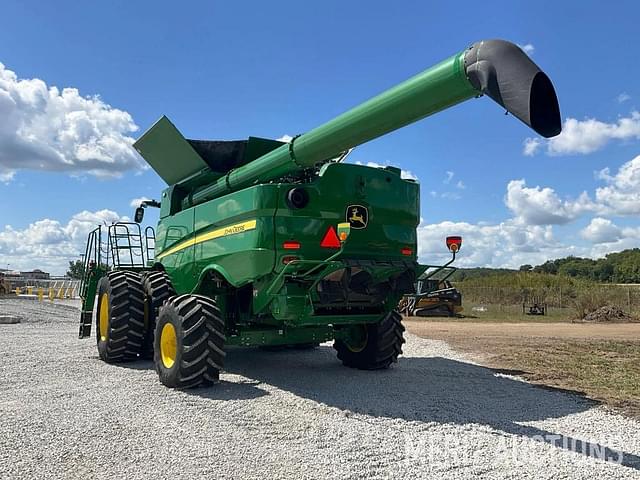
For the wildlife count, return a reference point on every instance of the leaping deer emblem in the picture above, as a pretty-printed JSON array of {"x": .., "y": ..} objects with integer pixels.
[{"x": 357, "y": 217}]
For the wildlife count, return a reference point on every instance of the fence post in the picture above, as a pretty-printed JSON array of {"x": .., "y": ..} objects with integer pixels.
[{"x": 560, "y": 296}]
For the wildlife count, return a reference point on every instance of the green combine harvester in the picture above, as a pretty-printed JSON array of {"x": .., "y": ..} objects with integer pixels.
[{"x": 264, "y": 243}]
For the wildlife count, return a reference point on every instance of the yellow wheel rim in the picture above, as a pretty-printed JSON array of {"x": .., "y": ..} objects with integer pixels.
[
  {"x": 168, "y": 345},
  {"x": 104, "y": 317},
  {"x": 358, "y": 342}
]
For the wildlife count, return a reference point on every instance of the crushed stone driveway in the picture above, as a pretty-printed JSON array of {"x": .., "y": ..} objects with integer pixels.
[{"x": 291, "y": 414}]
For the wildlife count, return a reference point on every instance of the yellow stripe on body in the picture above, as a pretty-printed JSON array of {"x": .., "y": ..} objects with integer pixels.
[{"x": 220, "y": 232}]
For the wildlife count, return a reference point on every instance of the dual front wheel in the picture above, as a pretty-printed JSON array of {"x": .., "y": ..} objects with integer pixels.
[{"x": 139, "y": 316}]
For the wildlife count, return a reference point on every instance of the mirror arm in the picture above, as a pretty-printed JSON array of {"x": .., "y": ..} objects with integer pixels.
[{"x": 150, "y": 203}]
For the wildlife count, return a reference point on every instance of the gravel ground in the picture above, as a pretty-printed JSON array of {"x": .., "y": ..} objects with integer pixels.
[{"x": 65, "y": 414}]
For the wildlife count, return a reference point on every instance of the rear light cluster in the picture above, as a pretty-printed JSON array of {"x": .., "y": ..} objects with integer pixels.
[
  {"x": 406, "y": 251},
  {"x": 290, "y": 245},
  {"x": 454, "y": 243}
]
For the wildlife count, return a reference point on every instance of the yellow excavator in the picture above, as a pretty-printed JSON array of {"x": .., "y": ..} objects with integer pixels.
[{"x": 5, "y": 286}]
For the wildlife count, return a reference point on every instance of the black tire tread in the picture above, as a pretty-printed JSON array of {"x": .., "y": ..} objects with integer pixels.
[
  {"x": 157, "y": 289},
  {"x": 126, "y": 325},
  {"x": 384, "y": 345},
  {"x": 203, "y": 340}
]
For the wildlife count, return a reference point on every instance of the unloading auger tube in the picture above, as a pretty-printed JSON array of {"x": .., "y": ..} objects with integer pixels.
[{"x": 496, "y": 68}]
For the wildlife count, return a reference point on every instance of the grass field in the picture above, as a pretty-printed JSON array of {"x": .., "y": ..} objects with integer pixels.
[
  {"x": 601, "y": 361},
  {"x": 475, "y": 312}
]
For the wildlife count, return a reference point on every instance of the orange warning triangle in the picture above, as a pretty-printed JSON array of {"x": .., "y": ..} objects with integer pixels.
[{"x": 330, "y": 239}]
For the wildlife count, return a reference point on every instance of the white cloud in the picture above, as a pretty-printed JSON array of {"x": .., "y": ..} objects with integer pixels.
[
  {"x": 406, "y": 174},
  {"x": 528, "y": 48},
  {"x": 6, "y": 176},
  {"x": 623, "y": 97},
  {"x": 135, "y": 202},
  {"x": 450, "y": 195},
  {"x": 542, "y": 206},
  {"x": 507, "y": 244},
  {"x": 510, "y": 244},
  {"x": 44, "y": 128},
  {"x": 48, "y": 244},
  {"x": 586, "y": 136},
  {"x": 601, "y": 230},
  {"x": 622, "y": 194},
  {"x": 449, "y": 177},
  {"x": 608, "y": 237},
  {"x": 531, "y": 146},
  {"x": 285, "y": 138},
  {"x": 461, "y": 185}
]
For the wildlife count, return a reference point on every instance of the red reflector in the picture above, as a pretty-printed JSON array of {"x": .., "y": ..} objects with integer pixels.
[
  {"x": 292, "y": 245},
  {"x": 406, "y": 251},
  {"x": 330, "y": 239},
  {"x": 289, "y": 259}
]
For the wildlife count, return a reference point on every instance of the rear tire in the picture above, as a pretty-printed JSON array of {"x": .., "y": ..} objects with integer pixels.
[
  {"x": 157, "y": 290},
  {"x": 380, "y": 348},
  {"x": 189, "y": 342},
  {"x": 120, "y": 317}
]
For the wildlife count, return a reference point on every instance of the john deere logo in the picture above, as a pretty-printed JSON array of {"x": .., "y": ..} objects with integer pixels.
[{"x": 357, "y": 216}]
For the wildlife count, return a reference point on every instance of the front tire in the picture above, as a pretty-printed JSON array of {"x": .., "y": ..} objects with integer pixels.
[
  {"x": 120, "y": 317},
  {"x": 378, "y": 346},
  {"x": 189, "y": 342}
]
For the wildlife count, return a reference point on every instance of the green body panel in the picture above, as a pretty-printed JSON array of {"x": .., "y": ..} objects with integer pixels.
[
  {"x": 170, "y": 233},
  {"x": 188, "y": 246},
  {"x": 168, "y": 153},
  {"x": 393, "y": 206},
  {"x": 243, "y": 256}
]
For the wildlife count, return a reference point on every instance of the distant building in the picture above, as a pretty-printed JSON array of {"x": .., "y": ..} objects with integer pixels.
[
  {"x": 24, "y": 276},
  {"x": 34, "y": 275}
]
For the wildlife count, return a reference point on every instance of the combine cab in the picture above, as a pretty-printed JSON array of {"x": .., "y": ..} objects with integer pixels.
[{"x": 264, "y": 243}]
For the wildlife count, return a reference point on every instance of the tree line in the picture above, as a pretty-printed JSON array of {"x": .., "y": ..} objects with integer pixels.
[{"x": 619, "y": 267}]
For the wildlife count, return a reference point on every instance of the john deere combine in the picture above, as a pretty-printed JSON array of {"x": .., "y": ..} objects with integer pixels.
[{"x": 267, "y": 243}]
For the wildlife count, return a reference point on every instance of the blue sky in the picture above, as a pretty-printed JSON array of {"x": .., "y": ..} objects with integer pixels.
[{"x": 226, "y": 70}]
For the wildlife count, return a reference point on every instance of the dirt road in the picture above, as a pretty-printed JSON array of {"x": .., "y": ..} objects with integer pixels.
[{"x": 600, "y": 331}]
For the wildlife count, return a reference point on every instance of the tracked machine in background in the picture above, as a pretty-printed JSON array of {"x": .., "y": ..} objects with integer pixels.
[
  {"x": 263, "y": 243},
  {"x": 434, "y": 295}
]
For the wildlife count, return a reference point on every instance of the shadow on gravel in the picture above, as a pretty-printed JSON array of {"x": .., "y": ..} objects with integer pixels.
[
  {"x": 137, "y": 365},
  {"x": 223, "y": 390},
  {"x": 429, "y": 389}
]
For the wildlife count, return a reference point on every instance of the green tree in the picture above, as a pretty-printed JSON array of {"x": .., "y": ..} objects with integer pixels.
[
  {"x": 526, "y": 267},
  {"x": 76, "y": 270},
  {"x": 550, "y": 266}
]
